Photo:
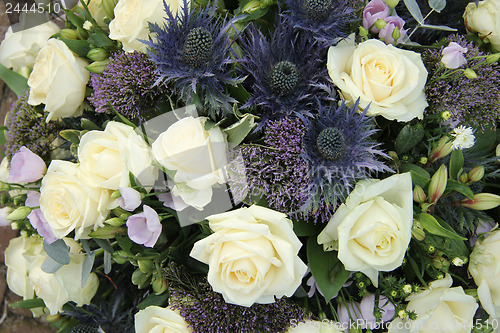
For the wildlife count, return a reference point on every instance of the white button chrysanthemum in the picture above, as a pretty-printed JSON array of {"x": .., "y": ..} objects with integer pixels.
[{"x": 464, "y": 137}]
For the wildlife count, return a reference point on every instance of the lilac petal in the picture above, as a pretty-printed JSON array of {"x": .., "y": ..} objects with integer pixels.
[
  {"x": 26, "y": 167},
  {"x": 38, "y": 221},
  {"x": 388, "y": 309},
  {"x": 130, "y": 198},
  {"x": 144, "y": 228},
  {"x": 33, "y": 199},
  {"x": 171, "y": 201}
]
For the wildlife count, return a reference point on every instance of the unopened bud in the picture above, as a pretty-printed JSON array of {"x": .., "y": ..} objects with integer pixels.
[
  {"x": 438, "y": 184},
  {"x": 68, "y": 34},
  {"x": 19, "y": 214},
  {"x": 396, "y": 34},
  {"x": 97, "y": 67},
  {"x": 146, "y": 266},
  {"x": 464, "y": 179},
  {"x": 380, "y": 24},
  {"x": 160, "y": 285},
  {"x": 19, "y": 200},
  {"x": 391, "y": 3},
  {"x": 419, "y": 194},
  {"x": 469, "y": 73},
  {"x": 445, "y": 115},
  {"x": 115, "y": 222},
  {"x": 109, "y": 7},
  {"x": 442, "y": 149},
  {"x": 120, "y": 257},
  {"x": 440, "y": 262},
  {"x": 139, "y": 278},
  {"x": 363, "y": 32},
  {"x": 492, "y": 58},
  {"x": 116, "y": 194},
  {"x": 251, "y": 6},
  {"x": 4, "y": 186},
  {"x": 417, "y": 231},
  {"x": 482, "y": 201},
  {"x": 107, "y": 232},
  {"x": 392, "y": 154},
  {"x": 476, "y": 174},
  {"x": 98, "y": 54}
]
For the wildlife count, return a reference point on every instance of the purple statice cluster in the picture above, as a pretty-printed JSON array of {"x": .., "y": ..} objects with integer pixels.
[
  {"x": 128, "y": 85},
  {"x": 471, "y": 101},
  {"x": 206, "y": 311},
  {"x": 28, "y": 127},
  {"x": 277, "y": 173}
]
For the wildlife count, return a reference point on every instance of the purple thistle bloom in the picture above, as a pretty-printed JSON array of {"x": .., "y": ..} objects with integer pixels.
[
  {"x": 286, "y": 73},
  {"x": 128, "y": 84},
  {"x": 470, "y": 101},
  {"x": 321, "y": 20},
  {"x": 27, "y": 127},
  {"x": 193, "y": 53},
  {"x": 339, "y": 152}
]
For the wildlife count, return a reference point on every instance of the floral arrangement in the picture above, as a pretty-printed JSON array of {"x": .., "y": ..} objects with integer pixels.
[{"x": 255, "y": 166}]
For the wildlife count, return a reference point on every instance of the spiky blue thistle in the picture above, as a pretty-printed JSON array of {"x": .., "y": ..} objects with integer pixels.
[
  {"x": 339, "y": 151},
  {"x": 192, "y": 51},
  {"x": 286, "y": 73},
  {"x": 321, "y": 20}
]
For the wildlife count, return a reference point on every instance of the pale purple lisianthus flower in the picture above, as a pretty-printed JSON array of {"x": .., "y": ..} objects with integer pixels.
[
  {"x": 172, "y": 201},
  {"x": 386, "y": 32},
  {"x": 363, "y": 311},
  {"x": 4, "y": 212},
  {"x": 33, "y": 199},
  {"x": 26, "y": 167},
  {"x": 41, "y": 225},
  {"x": 374, "y": 10},
  {"x": 144, "y": 228},
  {"x": 130, "y": 199},
  {"x": 453, "y": 56}
]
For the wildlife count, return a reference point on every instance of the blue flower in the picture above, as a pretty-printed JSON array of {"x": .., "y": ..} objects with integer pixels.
[
  {"x": 286, "y": 73},
  {"x": 339, "y": 152},
  {"x": 192, "y": 51},
  {"x": 320, "y": 20}
]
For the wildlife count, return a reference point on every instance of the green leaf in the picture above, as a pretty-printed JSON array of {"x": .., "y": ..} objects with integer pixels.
[
  {"x": 100, "y": 39},
  {"x": 50, "y": 266},
  {"x": 70, "y": 135},
  {"x": 328, "y": 272},
  {"x": 485, "y": 142},
  {"x": 437, "y": 5},
  {"x": 238, "y": 131},
  {"x": 239, "y": 92},
  {"x": 124, "y": 242},
  {"x": 304, "y": 228},
  {"x": 408, "y": 138},
  {"x": 437, "y": 27},
  {"x": 104, "y": 244},
  {"x": 79, "y": 47},
  {"x": 414, "y": 10},
  {"x": 16, "y": 82},
  {"x": 453, "y": 185},
  {"x": 456, "y": 163},
  {"x": 154, "y": 300},
  {"x": 107, "y": 262},
  {"x": 58, "y": 251},
  {"x": 28, "y": 304},
  {"x": 88, "y": 263},
  {"x": 73, "y": 18},
  {"x": 122, "y": 118},
  {"x": 89, "y": 125},
  {"x": 419, "y": 176},
  {"x": 432, "y": 226}
]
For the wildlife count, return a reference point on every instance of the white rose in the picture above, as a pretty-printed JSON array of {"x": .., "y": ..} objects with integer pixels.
[
  {"x": 131, "y": 22},
  {"x": 108, "y": 156},
  {"x": 197, "y": 156},
  {"x": 156, "y": 319},
  {"x": 252, "y": 256},
  {"x": 18, "y": 255},
  {"x": 439, "y": 308},
  {"x": 64, "y": 285},
  {"x": 389, "y": 79},
  {"x": 19, "y": 49},
  {"x": 372, "y": 229},
  {"x": 484, "y": 267},
  {"x": 97, "y": 11},
  {"x": 485, "y": 20},
  {"x": 69, "y": 203},
  {"x": 58, "y": 80}
]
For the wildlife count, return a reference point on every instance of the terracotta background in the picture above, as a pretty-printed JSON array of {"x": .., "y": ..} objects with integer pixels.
[{"x": 12, "y": 320}]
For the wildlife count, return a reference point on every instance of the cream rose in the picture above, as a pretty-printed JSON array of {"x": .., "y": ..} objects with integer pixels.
[
  {"x": 252, "y": 256},
  {"x": 19, "y": 49},
  {"x": 58, "y": 80},
  {"x": 485, "y": 20},
  {"x": 197, "y": 156},
  {"x": 132, "y": 18},
  {"x": 108, "y": 156},
  {"x": 69, "y": 203},
  {"x": 156, "y": 319},
  {"x": 389, "y": 79},
  {"x": 64, "y": 285},
  {"x": 484, "y": 267},
  {"x": 439, "y": 308},
  {"x": 372, "y": 229},
  {"x": 97, "y": 11}
]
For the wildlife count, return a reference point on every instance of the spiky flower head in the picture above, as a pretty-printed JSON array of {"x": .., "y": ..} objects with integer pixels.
[
  {"x": 339, "y": 152},
  {"x": 128, "y": 85},
  {"x": 27, "y": 126},
  {"x": 474, "y": 102},
  {"x": 321, "y": 20},
  {"x": 192, "y": 51},
  {"x": 286, "y": 73}
]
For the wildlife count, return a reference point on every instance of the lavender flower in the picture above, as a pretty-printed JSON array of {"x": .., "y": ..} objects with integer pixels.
[
  {"x": 473, "y": 102},
  {"x": 28, "y": 127},
  {"x": 193, "y": 54},
  {"x": 321, "y": 20},
  {"x": 285, "y": 72},
  {"x": 338, "y": 152},
  {"x": 128, "y": 85}
]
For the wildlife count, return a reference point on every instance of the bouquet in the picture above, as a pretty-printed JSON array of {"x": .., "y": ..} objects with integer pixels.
[{"x": 254, "y": 165}]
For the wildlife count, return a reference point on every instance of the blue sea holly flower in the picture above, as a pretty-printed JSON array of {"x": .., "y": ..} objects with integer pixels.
[
  {"x": 192, "y": 51},
  {"x": 320, "y": 20},
  {"x": 339, "y": 152},
  {"x": 286, "y": 73}
]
